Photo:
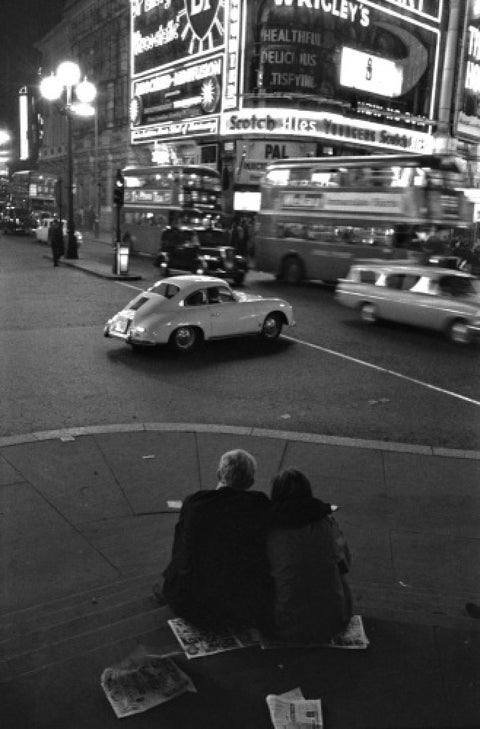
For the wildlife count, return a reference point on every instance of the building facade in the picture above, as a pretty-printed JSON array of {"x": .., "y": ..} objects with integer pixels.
[
  {"x": 237, "y": 83},
  {"x": 95, "y": 34}
]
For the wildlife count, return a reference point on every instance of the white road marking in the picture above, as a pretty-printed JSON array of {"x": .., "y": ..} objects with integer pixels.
[
  {"x": 129, "y": 286},
  {"x": 363, "y": 363},
  {"x": 385, "y": 370}
]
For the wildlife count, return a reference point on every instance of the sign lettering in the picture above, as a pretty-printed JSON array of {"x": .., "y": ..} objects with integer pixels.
[{"x": 269, "y": 122}]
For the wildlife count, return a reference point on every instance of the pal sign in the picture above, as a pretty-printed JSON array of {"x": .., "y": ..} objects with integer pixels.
[{"x": 254, "y": 156}]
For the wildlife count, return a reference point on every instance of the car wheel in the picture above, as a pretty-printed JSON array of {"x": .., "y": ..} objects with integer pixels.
[
  {"x": 185, "y": 339},
  {"x": 368, "y": 313},
  {"x": 272, "y": 327},
  {"x": 459, "y": 333},
  {"x": 292, "y": 270}
]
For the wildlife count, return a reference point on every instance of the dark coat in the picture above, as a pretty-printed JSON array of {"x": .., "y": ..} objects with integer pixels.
[
  {"x": 218, "y": 574},
  {"x": 308, "y": 560},
  {"x": 56, "y": 240}
]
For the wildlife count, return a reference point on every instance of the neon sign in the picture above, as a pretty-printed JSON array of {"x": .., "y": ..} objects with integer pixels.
[
  {"x": 468, "y": 118},
  {"x": 360, "y": 56},
  {"x": 165, "y": 31},
  {"x": 186, "y": 90},
  {"x": 317, "y": 125}
]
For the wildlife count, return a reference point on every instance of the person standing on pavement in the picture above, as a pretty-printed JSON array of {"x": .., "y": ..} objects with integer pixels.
[
  {"x": 218, "y": 575},
  {"x": 309, "y": 559},
  {"x": 57, "y": 242}
]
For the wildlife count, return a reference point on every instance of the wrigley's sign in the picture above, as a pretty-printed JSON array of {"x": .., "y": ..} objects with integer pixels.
[
  {"x": 323, "y": 126},
  {"x": 348, "y": 9}
]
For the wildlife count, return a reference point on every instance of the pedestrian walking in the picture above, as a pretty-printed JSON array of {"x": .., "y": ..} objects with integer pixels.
[{"x": 57, "y": 242}]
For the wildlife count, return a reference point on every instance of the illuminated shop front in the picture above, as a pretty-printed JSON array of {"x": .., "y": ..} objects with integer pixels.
[{"x": 237, "y": 83}]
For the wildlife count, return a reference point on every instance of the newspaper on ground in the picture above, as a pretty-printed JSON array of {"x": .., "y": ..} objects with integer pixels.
[
  {"x": 292, "y": 710},
  {"x": 197, "y": 643},
  {"x": 352, "y": 638},
  {"x": 142, "y": 681}
]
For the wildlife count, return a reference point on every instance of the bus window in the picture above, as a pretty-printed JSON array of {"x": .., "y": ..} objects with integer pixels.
[{"x": 328, "y": 178}]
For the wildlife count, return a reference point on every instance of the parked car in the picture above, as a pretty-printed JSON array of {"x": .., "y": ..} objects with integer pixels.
[
  {"x": 185, "y": 310},
  {"x": 425, "y": 296},
  {"x": 41, "y": 233},
  {"x": 200, "y": 250}
]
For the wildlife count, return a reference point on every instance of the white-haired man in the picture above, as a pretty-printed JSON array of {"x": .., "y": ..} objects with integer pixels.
[{"x": 218, "y": 575}]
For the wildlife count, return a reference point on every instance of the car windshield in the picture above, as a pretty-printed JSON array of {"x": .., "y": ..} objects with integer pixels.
[{"x": 162, "y": 288}]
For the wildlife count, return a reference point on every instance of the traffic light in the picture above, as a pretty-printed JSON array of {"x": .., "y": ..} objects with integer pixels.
[{"x": 119, "y": 189}]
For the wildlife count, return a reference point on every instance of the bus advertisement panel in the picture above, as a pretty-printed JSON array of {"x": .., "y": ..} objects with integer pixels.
[{"x": 318, "y": 214}]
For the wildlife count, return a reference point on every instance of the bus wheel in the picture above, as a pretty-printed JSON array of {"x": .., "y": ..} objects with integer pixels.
[
  {"x": 185, "y": 339},
  {"x": 368, "y": 313},
  {"x": 272, "y": 327},
  {"x": 459, "y": 333},
  {"x": 292, "y": 270}
]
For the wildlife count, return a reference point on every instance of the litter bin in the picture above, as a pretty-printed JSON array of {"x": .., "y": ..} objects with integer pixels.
[{"x": 122, "y": 259}]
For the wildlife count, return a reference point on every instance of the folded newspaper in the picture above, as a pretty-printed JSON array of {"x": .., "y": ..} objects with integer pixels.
[
  {"x": 142, "y": 681},
  {"x": 292, "y": 711},
  {"x": 197, "y": 643},
  {"x": 352, "y": 638}
]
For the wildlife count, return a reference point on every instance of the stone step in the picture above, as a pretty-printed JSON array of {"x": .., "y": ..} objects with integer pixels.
[
  {"x": 118, "y": 608},
  {"x": 71, "y": 606},
  {"x": 64, "y": 642}
]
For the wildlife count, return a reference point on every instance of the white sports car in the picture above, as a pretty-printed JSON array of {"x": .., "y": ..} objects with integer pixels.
[{"x": 185, "y": 310}]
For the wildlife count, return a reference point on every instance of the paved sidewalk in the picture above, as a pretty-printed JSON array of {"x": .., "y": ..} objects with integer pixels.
[
  {"x": 87, "y": 528},
  {"x": 97, "y": 256}
]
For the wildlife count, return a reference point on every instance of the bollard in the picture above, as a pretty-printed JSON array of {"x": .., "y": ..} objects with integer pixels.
[{"x": 122, "y": 259}]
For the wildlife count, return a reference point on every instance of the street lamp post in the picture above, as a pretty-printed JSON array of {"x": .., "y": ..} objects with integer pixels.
[{"x": 77, "y": 96}]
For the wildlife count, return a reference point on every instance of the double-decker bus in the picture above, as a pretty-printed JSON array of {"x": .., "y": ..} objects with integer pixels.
[
  {"x": 33, "y": 193},
  {"x": 175, "y": 213},
  {"x": 155, "y": 198},
  {"x": 319, "y": 214}
]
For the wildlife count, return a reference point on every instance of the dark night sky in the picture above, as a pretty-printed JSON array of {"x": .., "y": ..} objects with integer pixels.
[{"x": 23, "y": 22}]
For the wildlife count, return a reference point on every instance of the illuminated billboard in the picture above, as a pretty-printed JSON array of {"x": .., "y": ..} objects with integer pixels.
[
  {"x": 177, "y": 65},
  {"x": 167, "y": 31},
  {"x": 377, "y": 58},
  {"x": 468, "y": 117}
]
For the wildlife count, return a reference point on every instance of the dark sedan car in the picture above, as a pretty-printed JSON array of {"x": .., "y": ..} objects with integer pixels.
[{"x": 200, "y": 251}]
